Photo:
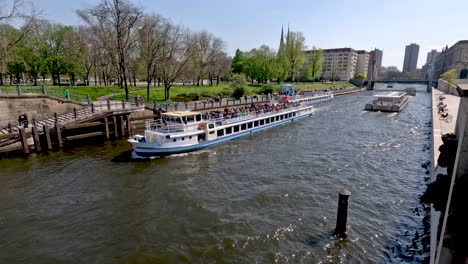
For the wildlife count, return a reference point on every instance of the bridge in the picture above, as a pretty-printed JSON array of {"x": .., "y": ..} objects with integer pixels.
[{"x": 429, "y": 83}]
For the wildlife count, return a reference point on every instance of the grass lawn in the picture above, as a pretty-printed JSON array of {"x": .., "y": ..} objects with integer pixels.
[{"x": 157, "y": 93}]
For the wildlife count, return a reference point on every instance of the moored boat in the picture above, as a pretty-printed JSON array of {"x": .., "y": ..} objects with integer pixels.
[
  {"x": 388, "y": 102},
  {"x": 186, "y": 131}
]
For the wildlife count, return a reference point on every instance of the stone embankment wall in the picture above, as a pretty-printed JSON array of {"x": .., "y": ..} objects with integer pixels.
[{"x": 43, "y": 107}]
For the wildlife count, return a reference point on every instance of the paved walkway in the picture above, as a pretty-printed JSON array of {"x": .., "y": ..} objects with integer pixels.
[{"x": 440, "y": 125}]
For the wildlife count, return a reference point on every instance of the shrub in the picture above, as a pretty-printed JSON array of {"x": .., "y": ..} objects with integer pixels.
[
  {"x": 238, "y": 85},
  {"x": 185, "y": 97},
  {"x": 360, "y": 75},
  {"x": 266, "y": 89},
  {"x": 238, "y": 92}
]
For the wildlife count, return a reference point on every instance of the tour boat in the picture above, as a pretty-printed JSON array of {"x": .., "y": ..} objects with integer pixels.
[
  {"x": 187, "y": 131},
  {"x": 388, "y": 102}
]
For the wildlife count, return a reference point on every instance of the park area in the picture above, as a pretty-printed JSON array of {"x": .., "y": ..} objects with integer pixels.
[{"x": 177, "y": 92}]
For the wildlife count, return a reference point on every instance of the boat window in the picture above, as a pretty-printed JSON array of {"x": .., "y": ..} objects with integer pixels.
[
  {"x": 183, "y": 138},
  {"x": 262, "y": 122},
  {"x": 168, "y": 136},
  {"x": 236, "y": 129},
  {"x": 190, "y": 137},
  {"x": 190, "y": 118},
  {"x": 277, "y": 118},
  {"x": 212, "y": 132},
  {"x": 198, "y": 117},
  {"x": 210, "y": 126},
  {"x": 272, "y": 119},
  {"x": 244, "y": 126},
  {"x": 267, "y": 120},
  {"x": 174, "y": 140},
  {"x": 281, "y": 117},
  {"x": 228, "y": 130},
  {"x": 250, "y": 125},
  {"x": 256, "y": 124},
  {"x": 220, "y": 132}
]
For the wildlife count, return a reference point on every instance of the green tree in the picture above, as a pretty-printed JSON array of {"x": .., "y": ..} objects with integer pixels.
[
  {"x": 237, "y": 62},
  {"x": 16, "y": 69},
  {"x": 315, "y": 61},
  {"x": 294, "y": 53},
  {"x": 449, "y": 76},
  {"x": 360, "y": 75}
]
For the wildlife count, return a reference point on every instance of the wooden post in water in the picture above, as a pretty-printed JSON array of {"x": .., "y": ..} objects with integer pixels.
[
  {"x": 75, "y": 114},
  {"x": 56, "y": 117},
  {"x": 122, "y": 127},
  {"x": 108, "y": 105},
  {"x": 92, "y": 108},
  {"x": 342, "y": 215},
  {"x": 58, "y": 130},
  {"x": 128, "y": 124},
  {"x": 37, "y": 142},
  {"x": 47, "y": 137},
  {"x": 123, "y": 104},
  {"x": 106, "y": 125},
  {"x": 24, "y": 140},
  {"x": 116, "y": 134}
]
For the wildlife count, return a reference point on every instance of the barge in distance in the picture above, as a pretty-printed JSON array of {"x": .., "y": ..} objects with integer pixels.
[
  {"x": 388, "y": 102},
  {"x": 187, "y": 131}
]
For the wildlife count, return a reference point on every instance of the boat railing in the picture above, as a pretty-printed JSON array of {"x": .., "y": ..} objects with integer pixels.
[
  {"x": 220, "y": 121},
  {"x": 164, "y": 127}
]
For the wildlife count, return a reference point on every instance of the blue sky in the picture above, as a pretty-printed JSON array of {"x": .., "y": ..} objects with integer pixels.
[{"x": 362, "y": 24}]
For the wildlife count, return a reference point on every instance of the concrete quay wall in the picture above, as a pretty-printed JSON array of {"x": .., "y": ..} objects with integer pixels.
[{"x": 43, "y": 107}]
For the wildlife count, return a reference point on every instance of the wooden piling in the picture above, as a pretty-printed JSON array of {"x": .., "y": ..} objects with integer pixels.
[
  {"x": 24, "y": 140},
  {"x": 116, "y": 134},
  {"x": 37, "y": 142},
  {"x": 106, "y": 125},
  {"x": 342, "y": 214},
  {"x": 128, "y": 125},
  {"x": 122, "y": 126},
  {"x": 47, "y": 137},
  {"x": 108, "y": 105},
  {"x": 59, "y": 135}
]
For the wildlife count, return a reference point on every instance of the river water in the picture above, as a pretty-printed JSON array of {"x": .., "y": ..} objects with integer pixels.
[{"x": 266, "y": 198}]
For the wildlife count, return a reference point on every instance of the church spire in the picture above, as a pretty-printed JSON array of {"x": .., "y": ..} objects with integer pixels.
[{"x": 281, "y": 46}]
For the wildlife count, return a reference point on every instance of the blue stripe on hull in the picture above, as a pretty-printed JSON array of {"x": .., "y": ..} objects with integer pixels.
[{"x": 209, "y": 143}]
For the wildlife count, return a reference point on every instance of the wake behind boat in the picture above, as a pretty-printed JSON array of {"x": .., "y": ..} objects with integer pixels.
[{"x": 186, "y": 131}]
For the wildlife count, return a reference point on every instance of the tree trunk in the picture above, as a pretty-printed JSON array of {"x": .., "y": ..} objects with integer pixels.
[{"x": 148, "y": 85}]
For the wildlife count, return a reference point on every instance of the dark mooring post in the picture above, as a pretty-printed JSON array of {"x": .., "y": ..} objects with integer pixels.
[
  {"x": 342, "y": 215},
  {"x": 58, "y": 130},
  {"x": 37, "y": 142},
  {"x": 47, "y": 137},
  {"x": 24, "y": 140}
]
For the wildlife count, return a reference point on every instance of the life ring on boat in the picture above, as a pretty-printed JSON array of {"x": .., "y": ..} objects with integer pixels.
[{"x": 201, "y": 126}]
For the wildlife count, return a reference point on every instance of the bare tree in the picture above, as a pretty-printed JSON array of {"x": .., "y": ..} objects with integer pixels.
[
  {"x": 114, "y": 22},
  {"x": 151, "y": 34},
  {"x": 207, "y": 49},
  {"x": 176, "y": 52}
]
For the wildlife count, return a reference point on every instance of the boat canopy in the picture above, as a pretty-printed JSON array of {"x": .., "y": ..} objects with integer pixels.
[
  {"x": 181, "y": 113},
  {"x": 391, "y": 95}
]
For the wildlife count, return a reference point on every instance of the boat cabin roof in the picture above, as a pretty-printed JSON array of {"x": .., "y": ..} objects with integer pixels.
[
  {"x": 181, "y": 113},
  {"x": 390, "y": 94}
]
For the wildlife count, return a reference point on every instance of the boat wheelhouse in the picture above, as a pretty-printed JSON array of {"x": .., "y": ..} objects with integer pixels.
[
  {"x": 186, "y": 131},
  {"x": 388, "y": 102}
]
